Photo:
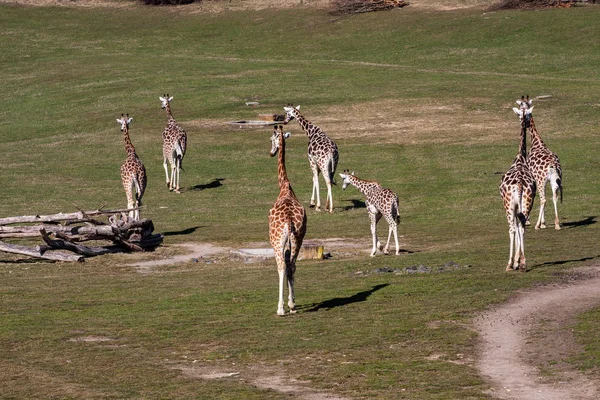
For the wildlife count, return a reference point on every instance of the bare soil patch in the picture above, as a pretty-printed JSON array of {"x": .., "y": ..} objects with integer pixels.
[
  {"x": 533, "y": 331},
  {"x": 262, "y": 377}
]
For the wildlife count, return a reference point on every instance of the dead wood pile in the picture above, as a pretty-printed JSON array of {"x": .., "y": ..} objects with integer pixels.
[
  {"x": 68, "y": 231},
  {"x": 363, "y": 6}
]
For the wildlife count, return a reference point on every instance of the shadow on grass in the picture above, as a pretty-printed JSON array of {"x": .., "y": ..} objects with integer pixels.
[
  {"x": 343, "y": 301},
  {"x": 355, "y": 204},
  {"x": 182, "y": 232},
  {"x": 561, "y": 262},
  {"x": 211, "y": 185},
  {"x": 584, "y": 222}
]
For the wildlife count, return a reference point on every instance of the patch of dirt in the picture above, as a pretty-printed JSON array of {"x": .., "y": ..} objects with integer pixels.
[
  {"x": 533, "y": 330},
  {"x": 261, "y": 377},
  {"x": 195, "y": 251},
  {"x": 91, "y": 339},
  {"x": 341, "y": 247}
]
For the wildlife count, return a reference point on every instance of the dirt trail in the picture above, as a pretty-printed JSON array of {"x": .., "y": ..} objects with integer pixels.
[{"x": 533, "y": 329}]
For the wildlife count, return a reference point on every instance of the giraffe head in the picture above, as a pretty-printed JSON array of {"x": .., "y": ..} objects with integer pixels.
[
  {"x": 524, "y": 115},
  {"x": 346, "y": 178},
  {"x": 525, "y": 103},
  {"x": 291, "y": 112},
  {"x": 165, "y": 100},
  {"x": 277, "y": 132},
  {"x": 124, "y": 121}
]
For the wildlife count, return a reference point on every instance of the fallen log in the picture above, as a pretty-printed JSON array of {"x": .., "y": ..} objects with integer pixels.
[
  {"x": 93, "y": 232},
  {"x": 75, "y": 248},
  {"x": 38, "y": 253},
  {"x": 75, "y": 216},
  {"x": 67, "y": 231}
]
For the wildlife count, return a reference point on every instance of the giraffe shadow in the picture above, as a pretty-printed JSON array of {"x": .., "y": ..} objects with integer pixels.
[
  {"x": 183, "y": 231},
  {"x": 355, "y": 204},
  {"x": 342, "y": 301},
  {"x": 584, "y": 222},
  {"x": 211, "y": 185},
  {"x": 561, "y": 262}
]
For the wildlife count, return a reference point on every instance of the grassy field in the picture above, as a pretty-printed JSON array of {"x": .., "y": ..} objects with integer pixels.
[{"x": 417, "y": 99}]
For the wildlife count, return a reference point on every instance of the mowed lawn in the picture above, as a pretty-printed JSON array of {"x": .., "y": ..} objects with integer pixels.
[{"x": 417, "y": 99}]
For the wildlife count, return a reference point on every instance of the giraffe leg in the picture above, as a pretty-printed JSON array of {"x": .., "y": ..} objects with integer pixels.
[
  {"x": 295, "y": 245},
  {"x": 541, "y": 223},
  {"x": 374, "y": 217},
  {"x": 396, "y": 239},
  {"x": 555, "y": 188},
  {"x": 329, "y": 201},
  {"x": 520, "y": 253},
  {"x": 177, "y": 170},
  {"x": 166, "y": 172},
  {"x": 281, "y": 271},
  {"x": 290, "y": 280},
  {"x": 173, "y": 174},
  {"x": 393, "y": 229},
  {"x": 316, "y": 192},
  {"x": 128, "y": 186},
  {"x": 511, "y": 235}
]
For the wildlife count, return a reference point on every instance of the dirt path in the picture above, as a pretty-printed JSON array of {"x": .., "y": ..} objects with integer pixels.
[{"x": 534, "y": 329}]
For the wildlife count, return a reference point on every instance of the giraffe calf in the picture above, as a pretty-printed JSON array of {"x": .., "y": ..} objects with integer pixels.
[{"x": 380, "y": 202}]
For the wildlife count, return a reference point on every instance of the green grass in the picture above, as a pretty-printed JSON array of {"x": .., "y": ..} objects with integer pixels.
[{"x": 446, "y": 80}]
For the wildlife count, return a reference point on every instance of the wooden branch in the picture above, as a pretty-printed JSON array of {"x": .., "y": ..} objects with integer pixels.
[
  {"x": 79, "y": 249},
  {"x": 32, "y": 252},
  {"x": 76, "y": 216}
]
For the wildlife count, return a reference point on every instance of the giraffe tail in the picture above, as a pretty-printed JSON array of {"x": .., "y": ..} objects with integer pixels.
[
  {"x": 396, "y": 211},
  {"x": 179, "y": 155},
  {"x": 286, "y": 241},
  {"x": 331, "y": 171},
  {"x": 138, "y": 191},
  {"x": 556, "y": 181},
  {"x": 517, "y": 204}
]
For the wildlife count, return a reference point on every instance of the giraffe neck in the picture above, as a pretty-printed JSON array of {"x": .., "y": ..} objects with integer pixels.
[
  {"x": 169, "y": 113},
  {"x": 523, "y": 141},
  {"x": 365, "y": 187},
  {"x": 308, "y": 127},
  {"x": 536, "y": 139},
  {"x": 128, "y": 145},
  {"x": 282, "y": 178}
]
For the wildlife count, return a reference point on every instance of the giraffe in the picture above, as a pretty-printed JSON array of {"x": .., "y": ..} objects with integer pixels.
[
  {"x": 545, "y": 167},
  {"x": 322, "y": 155},
  {"x": 380, "y": 202},
  {"x": 517, "y": 190},
  {"x": 174, "y": 146},
  {"x": 287, "y": 224},
  {"x": 133, "y": 173}
]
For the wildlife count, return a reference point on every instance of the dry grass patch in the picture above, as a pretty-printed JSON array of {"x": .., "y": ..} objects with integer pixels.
[{"x": 414, "y": 122}]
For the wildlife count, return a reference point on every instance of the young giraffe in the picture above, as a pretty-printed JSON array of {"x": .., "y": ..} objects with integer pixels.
[
  {"x": 174, "y": 145},
  {"x": 287, "y": 224},
  {"x": 322, "y": 155},
  {"x": 545, "y": 167},
  {"x": 380, "y": 202},
  {"x": 517, "y": 190},
  {"x": 133, "y": 173}
]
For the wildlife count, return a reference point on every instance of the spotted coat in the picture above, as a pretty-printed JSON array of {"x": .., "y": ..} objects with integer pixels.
[
  {"x": 380, "y": 202},
  {"x": 323, "y": 156},
  {"x": 287, "y": 225},
  {"x": 174, "y": 146},
  {"x": 133, "y": 172},
  {"x": 517, "y": 189}
]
